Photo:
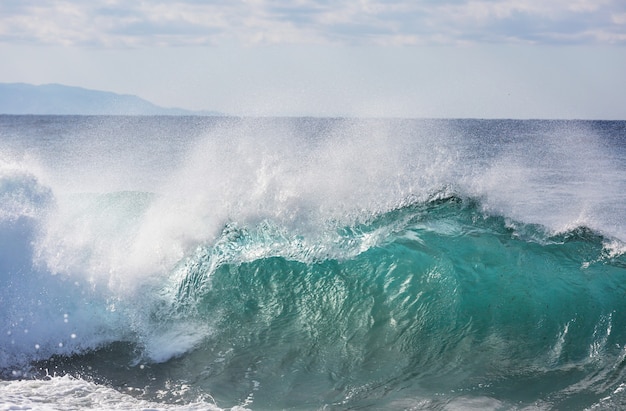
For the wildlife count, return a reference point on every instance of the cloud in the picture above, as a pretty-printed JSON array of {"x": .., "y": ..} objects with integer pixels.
[
  {"x": 115, "y": 23},
  {"x": 537, "y": 21}
]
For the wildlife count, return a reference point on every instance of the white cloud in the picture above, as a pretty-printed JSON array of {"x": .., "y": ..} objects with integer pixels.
[
  {"x": 486, "y": 10},
  {"x": 113, "y": 23}
]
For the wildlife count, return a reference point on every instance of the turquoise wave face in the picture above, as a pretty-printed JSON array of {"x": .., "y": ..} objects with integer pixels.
[{"x": 434, "y": 305}]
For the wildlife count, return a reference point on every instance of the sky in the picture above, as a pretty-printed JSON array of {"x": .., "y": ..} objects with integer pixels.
[{"x": 374, "y": 58}]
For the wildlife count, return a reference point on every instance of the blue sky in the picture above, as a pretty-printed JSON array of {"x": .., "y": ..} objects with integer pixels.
[{"x": 424, "y": 58}]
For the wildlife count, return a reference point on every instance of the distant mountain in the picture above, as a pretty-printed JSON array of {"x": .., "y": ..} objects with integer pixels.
[{"x": 20, "y": 98}]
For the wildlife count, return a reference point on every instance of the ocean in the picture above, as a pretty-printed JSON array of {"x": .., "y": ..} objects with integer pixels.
[{"x": 194, "y": 263}]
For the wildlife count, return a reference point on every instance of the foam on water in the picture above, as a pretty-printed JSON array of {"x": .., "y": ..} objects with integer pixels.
[{"x": 68, "y": 394}]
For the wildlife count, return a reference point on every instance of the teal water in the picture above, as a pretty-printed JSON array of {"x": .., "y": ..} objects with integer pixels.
[{"x": 489, "y": 276}]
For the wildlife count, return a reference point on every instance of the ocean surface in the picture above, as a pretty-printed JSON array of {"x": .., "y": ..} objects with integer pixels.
[{"x": 194, "y": 263}]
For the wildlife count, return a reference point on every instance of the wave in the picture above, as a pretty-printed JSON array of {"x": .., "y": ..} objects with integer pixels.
[
  {"x": 430, "y": 298},
  {"x": 426, "y": 300},
  {"x": 259, "y": 279}
]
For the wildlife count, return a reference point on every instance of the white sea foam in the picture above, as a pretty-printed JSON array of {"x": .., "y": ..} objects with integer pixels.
[{"x": 68, "y": 393}]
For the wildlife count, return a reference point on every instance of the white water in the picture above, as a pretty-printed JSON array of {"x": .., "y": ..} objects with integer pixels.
[{"x": 69, "y": 394}]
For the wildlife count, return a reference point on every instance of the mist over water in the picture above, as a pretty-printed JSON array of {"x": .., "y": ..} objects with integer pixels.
[{"x": 302, "y": 263}]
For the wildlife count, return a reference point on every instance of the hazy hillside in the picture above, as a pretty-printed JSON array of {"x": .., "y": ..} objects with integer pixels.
[{"x": 20, "y": 98}]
